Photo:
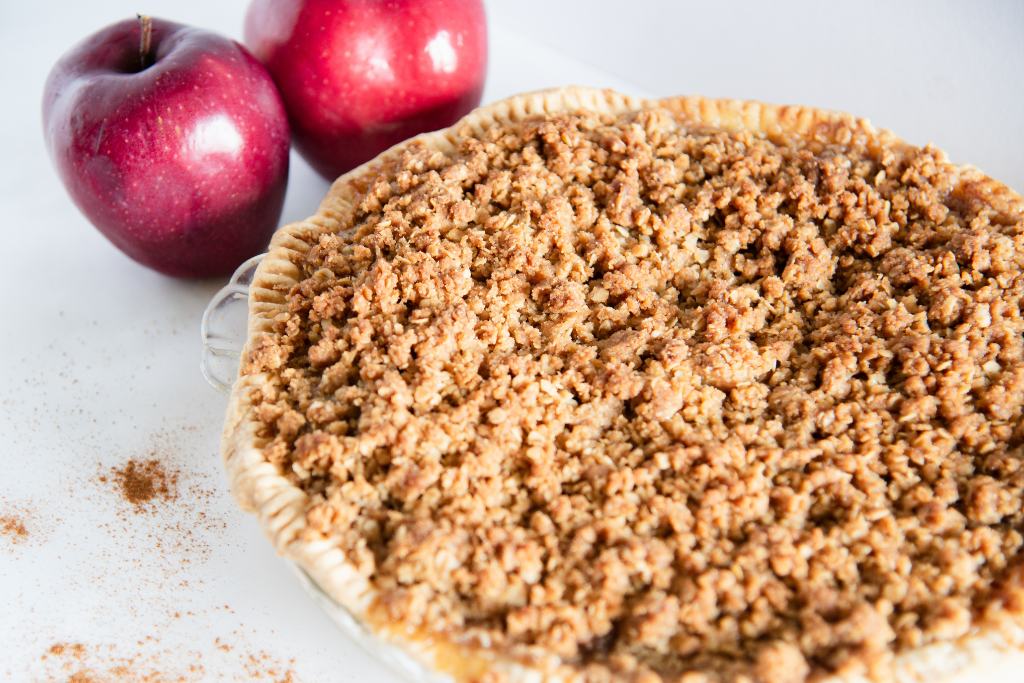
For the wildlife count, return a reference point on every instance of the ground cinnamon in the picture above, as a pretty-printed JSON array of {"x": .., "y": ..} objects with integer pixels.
[
  {"x": 77, "y": 663},
  {"x": 141, "y": 482},
  {"x": 13, "y": 528}
]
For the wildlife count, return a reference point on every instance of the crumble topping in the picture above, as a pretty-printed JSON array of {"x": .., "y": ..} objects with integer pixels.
[{"x": 670, "y": 402}]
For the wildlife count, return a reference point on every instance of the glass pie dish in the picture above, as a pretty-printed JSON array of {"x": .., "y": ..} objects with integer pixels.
[{"x": 223, "y": 332}]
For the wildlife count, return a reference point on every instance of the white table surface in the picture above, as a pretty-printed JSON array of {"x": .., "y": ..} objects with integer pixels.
[{"x": 98, "y": 356}]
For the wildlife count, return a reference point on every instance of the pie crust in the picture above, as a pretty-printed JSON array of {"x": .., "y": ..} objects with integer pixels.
[{"x": 992, "y": 651}]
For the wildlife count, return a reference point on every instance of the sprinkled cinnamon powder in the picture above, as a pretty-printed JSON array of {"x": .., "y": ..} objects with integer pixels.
[
  {"x": 13, "y": 528},
  {"x": 163, "y": 507},
  {"x": 141, "y": 482},
  {"x": 77, "y": 663},
  {"x": 77, "y": 650},
  {"x": 92, "y": 665}
]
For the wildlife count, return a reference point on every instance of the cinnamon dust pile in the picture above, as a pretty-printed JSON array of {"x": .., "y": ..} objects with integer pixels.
[
  {"x": 13, "y": 527},
  {"x": 162, "y": 504},
  {"x": 144, "y": 482}
]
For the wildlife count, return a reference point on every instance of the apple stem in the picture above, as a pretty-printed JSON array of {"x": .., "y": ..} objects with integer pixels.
[{"x": 145, "y": 39}]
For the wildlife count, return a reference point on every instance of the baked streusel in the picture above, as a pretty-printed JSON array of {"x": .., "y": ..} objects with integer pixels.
[{"x": 665, "y": 400}]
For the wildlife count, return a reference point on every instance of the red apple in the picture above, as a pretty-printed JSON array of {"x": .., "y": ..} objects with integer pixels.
[
  {"x": 359, "y": 76},
  {"x": 173, "y": 141}
]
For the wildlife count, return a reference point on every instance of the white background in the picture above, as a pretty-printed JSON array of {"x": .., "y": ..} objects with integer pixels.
[{"x": 98, "y": 356}]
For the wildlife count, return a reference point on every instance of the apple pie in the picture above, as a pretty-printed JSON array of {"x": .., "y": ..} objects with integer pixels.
[{"x": 596, "y": 388}]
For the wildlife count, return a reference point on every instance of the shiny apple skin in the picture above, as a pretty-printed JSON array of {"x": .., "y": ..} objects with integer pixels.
[
  {"x": 358, "y": 76},
  {"x": 182, "y": 165}
]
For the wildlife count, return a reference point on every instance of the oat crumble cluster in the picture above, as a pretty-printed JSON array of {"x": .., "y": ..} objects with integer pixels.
[{"x": 670, "y": 402}]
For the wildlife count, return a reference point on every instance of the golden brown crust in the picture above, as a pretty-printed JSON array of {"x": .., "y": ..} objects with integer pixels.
[{"x": 282, "y": 506}]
